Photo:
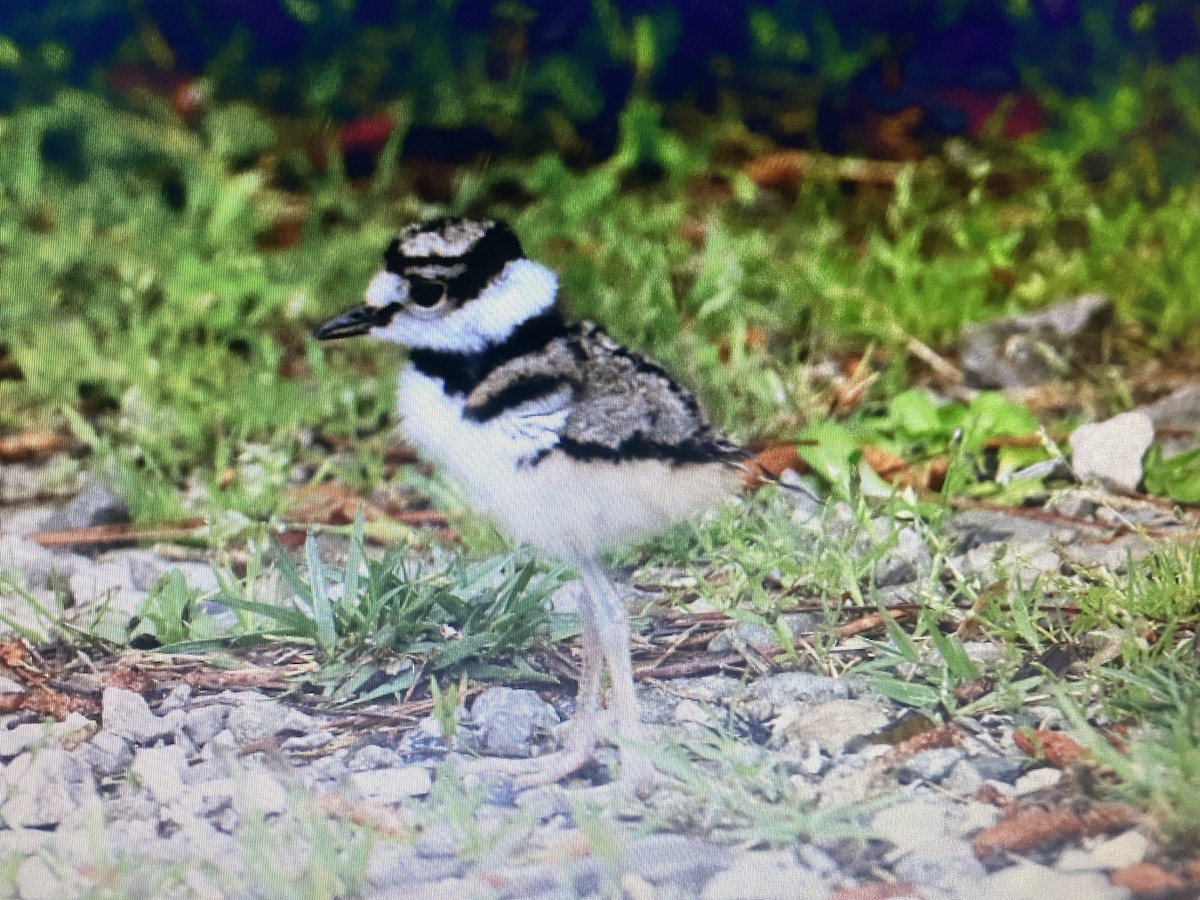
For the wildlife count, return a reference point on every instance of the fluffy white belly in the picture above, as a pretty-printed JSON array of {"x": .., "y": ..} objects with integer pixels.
[{"x": 564, "y": 507}]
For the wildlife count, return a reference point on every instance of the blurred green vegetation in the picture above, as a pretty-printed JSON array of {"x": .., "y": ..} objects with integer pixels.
[{"x": 162, "y": 262}]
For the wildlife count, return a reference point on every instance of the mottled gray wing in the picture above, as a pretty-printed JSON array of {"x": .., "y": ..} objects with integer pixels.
[{"x": 626, "y": 407}]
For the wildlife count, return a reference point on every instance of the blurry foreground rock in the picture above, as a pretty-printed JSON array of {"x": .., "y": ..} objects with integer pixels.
[{"x": 1030, "y": 349}]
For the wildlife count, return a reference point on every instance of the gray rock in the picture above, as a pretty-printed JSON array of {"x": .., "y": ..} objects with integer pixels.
[
  {"x": 998, "y": 768},
  {"x": 765, "y": 639},
  {"x": 94, "y": 505},
  {"x": 509, "y": 722},
  {"x": 255, "y": 787},
  {"x": 929, "y": 765},
  {"x": 374, "y": 757},
  {"x": 544, "y": 803},
  {"x": 929, "y": 821},
  {"x": 1179, "y": 410},
  {"x": 206, "y": 770},
  {"x": 963, "y": 780},
  {"x": 39, "y": 567},
  {"x": 127, "y": 715},
  {"x": 1021, "y": 562},
  {"x": 106, "y": 754},
  {"x": 949, "y": 867},
  {"x": 46, "y": 789},
  {"x": 17, "y": 740},
  {"x": 1030, "y": 349},
  {"x": 160, "y": 771},
  {"x": 1038, "y": 780},
  {"x": 1111, "y": 452},
  {"x": 107, "y": 586},
  {"x": 908, "y": 561},
  {"x": 203, "y": 723},
  {"x": 1124, "y": 850},
  {"x": 1026, "y": 881},
  {"x": 391, "y": 865},
  {"x": 682, "y": 862},
  {"x": 393, "y": 785},
  {"x": 37, "y": 879},
  {"x": 765, "y": 875},
  {"x": 438, "y": 841},
  {"x": 768, "y": 696},
  {"x": 262, "y": 720},
  {"x": 24, "y": 522},
  {"x": 307, "y": 742},
  {"x": 831, "y": 725}
]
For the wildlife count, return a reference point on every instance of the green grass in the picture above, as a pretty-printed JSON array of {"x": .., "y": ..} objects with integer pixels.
[{"x": 141, "y": 251}]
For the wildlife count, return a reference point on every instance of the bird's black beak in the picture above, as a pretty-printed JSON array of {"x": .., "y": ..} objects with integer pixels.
[{"x": 351, "y": 323}]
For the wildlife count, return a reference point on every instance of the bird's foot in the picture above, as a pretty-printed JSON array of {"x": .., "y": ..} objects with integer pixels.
[{"x": 542, "y": 770}]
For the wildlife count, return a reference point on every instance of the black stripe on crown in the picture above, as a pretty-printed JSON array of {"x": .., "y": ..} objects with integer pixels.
[{"x": 482, "y": 262}]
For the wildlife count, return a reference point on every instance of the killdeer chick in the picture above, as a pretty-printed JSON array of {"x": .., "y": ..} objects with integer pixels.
[{"x": 569, "y": 442}]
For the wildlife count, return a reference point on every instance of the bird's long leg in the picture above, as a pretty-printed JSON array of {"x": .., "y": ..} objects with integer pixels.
[
  {"x": 612, "y": 621},
  {"x": 586, "y": 726}
]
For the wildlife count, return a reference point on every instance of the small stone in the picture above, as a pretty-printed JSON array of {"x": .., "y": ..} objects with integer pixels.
[
  {"x": 831, "y": 725},
  {"x": 544, "y": 803},
  {"x": 436, "y": 842},
  {"x": 177, "y": 699},
  {"x": 1037, "y": 780},
  {"x": 963, "y": 780},
  {"x": 1029, "y": 349},
  {"x": 997, "y": 768},
  {"x": 307, "y": 742},
  {"x": 38, "y": 880},
  {"x": 203, "y": 723},
  {"x": 929, "y": 765},
  {"x": 1111, "y": 452},
  {"x": 391, "y": 865},
  {"x": 45, "y": 789},
  {"x": 908, "y": 561},
  {"x": 107, "y": 754},
  {"x": 767, "y": 696},
  {"x": 374, "y": 757},
  {"x": 94, "y": 505},
  {"x": 17, "y": 740},
  {"x": 1026, "y": 881},
  {"x": 393, "y": 785},
  {"x": 127, "y": 715},
  {"x": 38, "y": 566},
  {"x": 763, "y": 875},
  {"x": 107, "y": 587},
  {"x": 1126, "y": 849},
  {"x": 257, "y": 722},
  {"x": 509, "y": 722},
  {"x": 944, "y": 866},
  {"x": 160, "y": 770},
  {"x": 262, "y": 792},
  {"x": 684, "y": 863}
]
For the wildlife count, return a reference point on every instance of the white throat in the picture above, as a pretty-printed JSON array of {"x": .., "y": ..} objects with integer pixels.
[{"x": 524, "y": 289}]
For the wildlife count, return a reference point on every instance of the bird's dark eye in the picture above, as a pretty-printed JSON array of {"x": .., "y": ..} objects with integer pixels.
[{"x": 426, "y": 293}]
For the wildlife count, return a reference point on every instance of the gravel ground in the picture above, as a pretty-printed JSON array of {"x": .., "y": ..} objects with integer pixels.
[{"x": 793, "y": 784}]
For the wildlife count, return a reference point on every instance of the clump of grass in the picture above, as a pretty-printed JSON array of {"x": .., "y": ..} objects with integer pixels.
[{"x": 399, "y": 612}]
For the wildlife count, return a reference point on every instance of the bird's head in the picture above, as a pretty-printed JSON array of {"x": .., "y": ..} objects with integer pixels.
[{"x": 454, "y": 285}]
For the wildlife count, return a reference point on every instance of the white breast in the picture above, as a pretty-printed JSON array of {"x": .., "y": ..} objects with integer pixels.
[{"x": 561, "y": 506}]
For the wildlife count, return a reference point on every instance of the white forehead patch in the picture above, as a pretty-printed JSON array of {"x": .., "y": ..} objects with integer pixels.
[
  {"x": 451, "y": 240},
  {"x": 385, "y": 288}
]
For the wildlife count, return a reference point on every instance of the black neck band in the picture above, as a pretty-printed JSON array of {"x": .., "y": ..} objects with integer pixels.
[{"x": 462, "y": 372}]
